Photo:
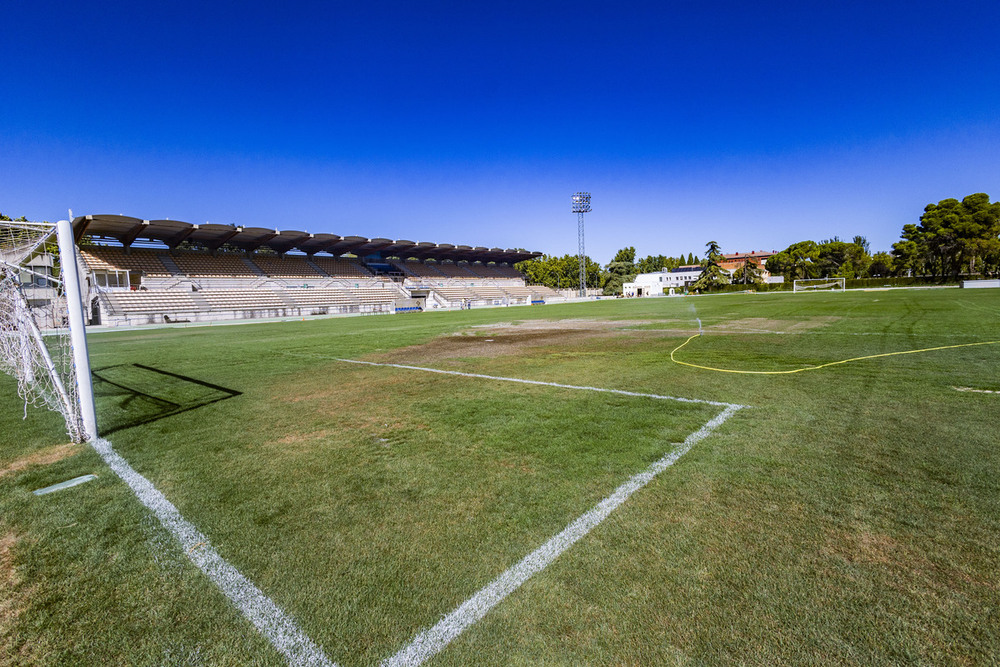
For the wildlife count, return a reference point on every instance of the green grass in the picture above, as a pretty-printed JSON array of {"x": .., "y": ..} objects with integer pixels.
[{"x": 852, "y": 514}]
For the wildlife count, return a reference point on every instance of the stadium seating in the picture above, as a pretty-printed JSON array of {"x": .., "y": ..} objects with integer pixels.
[
  {"x": 180, "y": 286},
  {"x": 339, "y": 267},
  {"x": 494, "y": 270},
  {"x": 456, "y": 293},
  {"x": 419, "y": 269},
  {"x": 159, "y": 301},
  {"x": 545, "y": 292},
  {"x": 199, "y": 265},
  {"x": 102, "y": 258},
  {"x": 489, "y": 293},
  {"x": 162, "y": 305},
  {"x": 287, "y": 266},
  {"x": 517, "y": 291},
  {"x": 455, "y": 270}
]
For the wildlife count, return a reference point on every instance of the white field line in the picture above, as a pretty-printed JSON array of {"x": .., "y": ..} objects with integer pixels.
[
  {"x": 545, "y": 384},
  {"x": 267, "y": 617},
  {"x": 978, "y": 391},
  {"x": 430, "y": 642}
]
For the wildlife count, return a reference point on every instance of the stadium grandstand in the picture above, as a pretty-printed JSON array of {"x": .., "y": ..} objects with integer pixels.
[{"x": 163, "y": 271}]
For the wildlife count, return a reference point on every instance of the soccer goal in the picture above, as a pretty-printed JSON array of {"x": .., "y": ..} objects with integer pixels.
[
  {"x": 43, "y": 342},
  {"x": 814, "y": 284}
]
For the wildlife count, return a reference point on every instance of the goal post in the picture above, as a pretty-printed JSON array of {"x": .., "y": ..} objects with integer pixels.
[
  {"x": 819, "y": 284},
  {"x": 77, "y": 325},
  {"x": 43, "y": 342}
]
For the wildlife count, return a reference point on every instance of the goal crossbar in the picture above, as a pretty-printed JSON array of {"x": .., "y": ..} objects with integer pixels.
[{"x": 815, "y": 284}]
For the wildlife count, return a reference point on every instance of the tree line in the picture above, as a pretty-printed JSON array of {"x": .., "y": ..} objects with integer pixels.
[
  {"x": 952, "y": 237},
  {"x": 564, "y": 272}
]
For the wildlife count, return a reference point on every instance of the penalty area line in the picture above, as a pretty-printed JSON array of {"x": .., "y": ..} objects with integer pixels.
[
  {"x": 500, "y": 378},
  {"x": 277, "y": 626},
  {"x": 430, "y": 642}
]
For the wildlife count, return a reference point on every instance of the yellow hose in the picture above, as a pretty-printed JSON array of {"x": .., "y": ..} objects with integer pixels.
[{"x": 816, "y": 368}]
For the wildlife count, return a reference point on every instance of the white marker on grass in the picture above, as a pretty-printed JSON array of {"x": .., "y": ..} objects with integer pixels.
[
  {"x": 430, "y": 642},
  {"x": 267, "y": 617},
  {"x": 500, "y": 378}
]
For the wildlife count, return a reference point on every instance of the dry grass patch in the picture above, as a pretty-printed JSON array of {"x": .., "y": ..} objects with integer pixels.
[
  {"x": 8, "y": 581},
  {"x": 12, "y": 602},
  {"x": 509, "y": 339},
  {"x": 768, "y": 325},
  {"x": 42, "y": 457},
  {"x": 911, "y": 570}
]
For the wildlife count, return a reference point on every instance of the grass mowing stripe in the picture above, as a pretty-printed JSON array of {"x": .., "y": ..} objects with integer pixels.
[
  {"x": 621, "y": 392},
  {"x": 266, "y": 616},
  {"x": 426, "y": 644}
]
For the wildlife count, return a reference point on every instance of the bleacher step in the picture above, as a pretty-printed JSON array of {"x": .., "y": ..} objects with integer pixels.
[
  {"x": 253, "y": 267},
  {"x": 202, "y": 302},
  {"x": 168, "y": 261},
  {"x": 316, "y": 267}
]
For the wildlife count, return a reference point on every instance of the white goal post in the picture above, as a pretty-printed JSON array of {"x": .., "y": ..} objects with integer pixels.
[
  {"x": 814, "y": 284},
  {"x": 43, "y": 341}
]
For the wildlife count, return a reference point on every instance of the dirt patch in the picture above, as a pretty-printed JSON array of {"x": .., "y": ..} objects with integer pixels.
[
  {"x": 766, "y": 325},
  {"x": 507, "y": 339},
  {"x": 42, "y": 457},
  {"x": 571, "y": 324},
  {"x": 495, "y": 345}
]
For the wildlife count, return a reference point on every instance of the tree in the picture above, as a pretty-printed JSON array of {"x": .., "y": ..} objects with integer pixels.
[
  {"x": 843, "y": 260},
  {"x": 653, "y": 264},
  {"x": 798, "y": 260},
  {"x": 907, "y": 255},
  {"x": 712, "y": 274},
  {"x": 559, "y": 272},
  {"x": 620, "y": 271},
  {"x": 881, "y": 265},
  {"x": 626, "y": 255},
  {"x": 748, "y": 273},
  {"x": 953, "y": 236},
  {"x": 862, "y": 242}
]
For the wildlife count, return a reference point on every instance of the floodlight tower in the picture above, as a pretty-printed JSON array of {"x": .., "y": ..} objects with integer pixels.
[{"x": 581, "y": 205}]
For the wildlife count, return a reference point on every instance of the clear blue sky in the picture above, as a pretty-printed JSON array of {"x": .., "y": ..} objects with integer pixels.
[{"x": 752, "y": 124}]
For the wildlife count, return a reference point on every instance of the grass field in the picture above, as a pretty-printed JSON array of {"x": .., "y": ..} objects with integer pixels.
[{"x": 847, "y": 514}]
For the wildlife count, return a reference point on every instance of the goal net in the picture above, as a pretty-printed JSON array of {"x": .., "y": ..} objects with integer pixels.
[
  {"x": 36, "y": 346},
  {"x": 813, "y": 284}
]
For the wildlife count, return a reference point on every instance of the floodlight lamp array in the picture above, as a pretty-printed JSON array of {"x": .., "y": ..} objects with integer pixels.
[{"x": 581, "y": 202}]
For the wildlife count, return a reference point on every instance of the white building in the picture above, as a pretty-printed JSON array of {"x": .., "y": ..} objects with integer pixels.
[{"x": 662, "y": 282}]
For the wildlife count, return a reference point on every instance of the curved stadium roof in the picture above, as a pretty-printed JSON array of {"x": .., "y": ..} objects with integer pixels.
[{"x": 127, "y": 230}]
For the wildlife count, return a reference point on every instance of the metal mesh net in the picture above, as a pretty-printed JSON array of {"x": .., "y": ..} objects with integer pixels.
[
  {"x": 35, "y": 344},
  {"x": 804, "y": 284}
]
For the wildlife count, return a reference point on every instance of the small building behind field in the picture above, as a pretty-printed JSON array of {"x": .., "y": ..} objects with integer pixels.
[
  {"x": 732, "y": 261},
  {"x": 662, "y": 282}
]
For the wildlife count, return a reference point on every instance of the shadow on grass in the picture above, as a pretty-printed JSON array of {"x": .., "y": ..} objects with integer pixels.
[{"x": 130, "y": 395}]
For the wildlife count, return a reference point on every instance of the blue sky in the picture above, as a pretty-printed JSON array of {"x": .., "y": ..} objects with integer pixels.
[{"x": 752, "y": 124}]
